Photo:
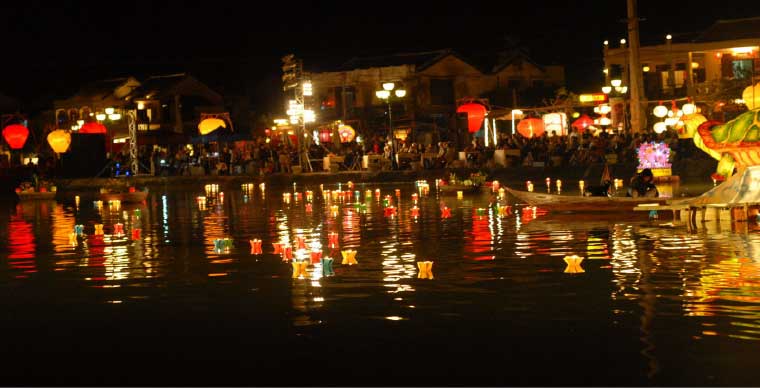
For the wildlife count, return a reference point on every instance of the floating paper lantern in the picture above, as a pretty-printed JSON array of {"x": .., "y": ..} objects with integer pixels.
[
  {"x": 277, "y": 248},
  {"x": 286, "y": 197},
  {"x": 78, "y": 229},
  {"x": 390, "y": 211},
  {"x": 368, "y": 194},
  {"x": 76, "y": 200},
  {"x": 415, "y": 197},
  {"x": 426, "y": 270},
  {"x": 502, "y": 194},
  {"x": 98, "y": 229},
  {"x": 15, "y": 135},
  {"x": 210, "y": 125},
  {"x": 299, "y": 269},
  {"x": 287, "y": 253},
  {"x": 118, "y": 229},
  {"x": 300, "y": 242},
  {"x": 573, "y": 264},
  {"x": 333, "y": 240},
  {"x": 495, "y": 186},
  {"x": 559, "y": 185},
  {"x": 59, "y": 140},
  {"x": 476, "y": 113},
  {"x": 256, "y": 247},
  {"x": 531, "y": 127},
  {"x": 415, "y": 212},
  {"x": 460, "y": 194},
  {"x": 136, "y": 233},
  {"x": 582, "y": 186},
  {"x": 445, "y": 212},
  {"x": 349, "y": 257},
  {"x": 316, "y": 257},
  {"x": 327, "y": 267}
]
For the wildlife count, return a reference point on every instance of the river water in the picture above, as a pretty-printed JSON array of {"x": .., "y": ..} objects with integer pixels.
[{"x": 649, "y": 305}]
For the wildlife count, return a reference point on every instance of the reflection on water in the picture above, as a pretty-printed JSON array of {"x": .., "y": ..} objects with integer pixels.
[{"x": 664, "y": 286}]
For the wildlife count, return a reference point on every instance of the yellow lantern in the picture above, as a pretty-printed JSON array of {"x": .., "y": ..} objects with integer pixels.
[
  {"x": 751, "y": 96},
  {"x": 574, "y": 264},
  {"x": 349, "y": 257},
  {"x": 426, "y": 270},
  {"x": 59, "y": 140},
  {"x": 210, "y": 125}
]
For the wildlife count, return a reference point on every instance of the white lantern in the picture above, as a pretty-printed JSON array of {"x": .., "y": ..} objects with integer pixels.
[
  {"x": 660, "y": 127},
  {"x": 689, "y": 108},
  {"x": 660, "y": 111},
  {"x": 671, "y": 121}
]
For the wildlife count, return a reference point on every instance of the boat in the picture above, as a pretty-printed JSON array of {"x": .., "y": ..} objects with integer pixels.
[
  {"x": 36, "y": 195},
  {"x": 581, "y": 203},
  {"x": 453, "y": 189}
]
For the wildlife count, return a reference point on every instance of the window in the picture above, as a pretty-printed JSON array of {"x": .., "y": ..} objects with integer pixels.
[
  {"x": 742, "y": 69},
  {"x": 441, "y": 92}
]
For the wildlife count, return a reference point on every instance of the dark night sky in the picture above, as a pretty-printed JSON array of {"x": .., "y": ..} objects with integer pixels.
[{"x": 49, "y": 49}]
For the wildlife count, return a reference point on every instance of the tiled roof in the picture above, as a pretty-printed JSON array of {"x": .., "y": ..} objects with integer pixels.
[
  {"x": 420, "y": 60},
  {"x": 731, "y": 30}
]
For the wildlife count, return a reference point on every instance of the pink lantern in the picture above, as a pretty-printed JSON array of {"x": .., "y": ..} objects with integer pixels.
[{"x": 475, "y": 115}]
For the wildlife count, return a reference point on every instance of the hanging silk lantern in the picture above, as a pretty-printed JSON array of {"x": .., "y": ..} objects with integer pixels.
[
  {"x": 346, "y": 133},
  {"x": 531, "y": 127},
  {"x": 476, "y": 113},
  {"x": 324, "y": 135},
  {"x": 210, "y": 125},
  {"x": 582, "y": 123},
  {"x": 15, "y": 135},
  {"x": 59, "y": 140},
  {"x": 92, "y": 128}
]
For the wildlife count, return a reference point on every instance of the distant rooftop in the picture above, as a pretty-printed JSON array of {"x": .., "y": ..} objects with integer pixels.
[
  {"x": 418, "y": 59},
  {"x": 733, "y": 29}
]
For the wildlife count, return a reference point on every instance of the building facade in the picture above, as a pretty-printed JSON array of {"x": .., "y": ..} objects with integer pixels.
[{"x": 434, "y": 82}]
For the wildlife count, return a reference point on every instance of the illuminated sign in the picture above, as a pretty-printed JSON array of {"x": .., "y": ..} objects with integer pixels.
[{"x": 592, "y": 98}]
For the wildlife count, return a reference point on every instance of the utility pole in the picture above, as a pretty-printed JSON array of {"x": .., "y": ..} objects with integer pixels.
[{"x": 637, "y": 84}]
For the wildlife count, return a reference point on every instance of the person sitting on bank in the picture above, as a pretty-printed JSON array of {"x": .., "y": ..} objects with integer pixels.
[{"x": 642, "y": 186}]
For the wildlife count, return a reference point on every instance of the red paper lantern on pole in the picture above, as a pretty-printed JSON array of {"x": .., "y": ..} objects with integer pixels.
[
  {"x": 531, "y": 127},
  {"x": 582, "y": 123},
  {"x": 15, "y": 135},
  {"x": 324, "y": 135},
  {"x": 475, "y": 115},
  {"x": 92, "y": 127}
]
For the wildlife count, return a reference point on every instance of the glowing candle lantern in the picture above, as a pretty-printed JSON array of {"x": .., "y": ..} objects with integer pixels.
[
  {"x": 78, "y": 229},
  {"x": 256, "y": 247},
  {"x": 390, "y": 211},
  {"x": 316, "y": 257},
  {"x": 335, "y": 195},
  {"x": 333, "y": 240},
  {"x": 445, "y": 212},
  {"x": 573, "y": 264},
  {"x": 16, "y": 135},
  {"x": 308, "y": 208},
  {"x": 309, "y": 195},
  {"x": 277, "y": 247},
  {"x": 98, "y": 229},
  {"x": 350, "y": 185},
  {"x": 415, "y": 197},
  {"x": 349, "y": 257},
  {"x": 495, "y": 186},
  {"x": 415, "y": 212},
  {"x": 357, "y": 195},
  {"x": 548, "y": 184},
  {"x": 460, "y": 194},
  {"x": 299, "y": 197},
  {"x": 327, "y": 267},
  {"x": 502, "y": 194},
  {"x": 582, "y": 186},
  {"x": 286, "y": 197},
  {"x": 368, "y": 194},
  {"x": 503, "y": 210},
  {"x": 73, "y": 239},
  {"x": 118, "y": 229},
  {"x": 136, "y": 233},
  {"x": 299, "y": 269},
  {"x": 59, "y": 140},
  {"x": 377, "y": 193},
  {"x": 398, "y": 192},
  {"x": 559, "y": 185},
  {"x": 300, "y": 242},
  {"x": 529, "y": 185},
  {"x": 76, "y": 200},
  {"x": 426, "y": 270}
]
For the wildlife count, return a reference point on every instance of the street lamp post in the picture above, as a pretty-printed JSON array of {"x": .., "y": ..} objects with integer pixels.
[
  {"x": 616, "y": 87},
  {"x": 385, "y": 94}
]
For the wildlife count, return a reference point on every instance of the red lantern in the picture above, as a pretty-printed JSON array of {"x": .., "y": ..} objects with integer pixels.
[
  {"x": 92, "y": 127},
  {"x": 15, "y": 135},
  {"x": 582, "y": 123},
  {"x": 324, "y": 135},
  {"x": 531, "y": 127},
  {"x": 475, "y": 115}
]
